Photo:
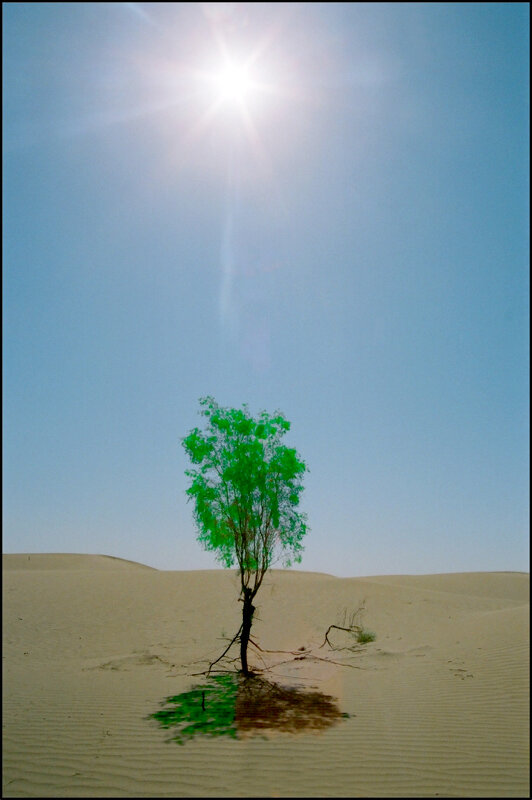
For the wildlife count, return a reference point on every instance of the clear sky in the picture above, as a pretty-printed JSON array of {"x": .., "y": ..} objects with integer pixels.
[{"x": 342, "y": 236}]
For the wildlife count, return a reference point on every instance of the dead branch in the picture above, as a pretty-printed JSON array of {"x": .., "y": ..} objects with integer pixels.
[
  {"x": 233, "y": 640},
  {"x": 287, "y": 652},
  {"x": 353, "y": 629}
]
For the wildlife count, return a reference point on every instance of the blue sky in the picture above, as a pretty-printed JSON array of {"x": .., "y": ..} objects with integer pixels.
[{"x": 350, "y": 246}]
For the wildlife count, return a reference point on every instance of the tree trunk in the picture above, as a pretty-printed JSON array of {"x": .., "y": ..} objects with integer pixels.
[{"x": 247, "y": 619}]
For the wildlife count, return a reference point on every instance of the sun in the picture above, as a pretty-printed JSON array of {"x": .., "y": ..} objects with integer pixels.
[
  {"x": 234, "y": 83},
  {"x": 236, "y": 90}
]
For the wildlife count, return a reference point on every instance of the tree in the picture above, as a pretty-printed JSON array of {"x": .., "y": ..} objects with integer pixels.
[{"x": 246, "y": 487}]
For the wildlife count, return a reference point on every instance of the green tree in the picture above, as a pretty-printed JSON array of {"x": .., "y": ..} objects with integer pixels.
[{"x": 246, "y": 487}]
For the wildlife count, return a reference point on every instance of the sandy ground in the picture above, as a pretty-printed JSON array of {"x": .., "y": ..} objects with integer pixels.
[{"x": 92, "y": 645}]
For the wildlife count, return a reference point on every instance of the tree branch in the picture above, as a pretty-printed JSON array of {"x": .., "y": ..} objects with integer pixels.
[
  {"x": 353, "y": 629},
  {"x": 233, "y": 640}
]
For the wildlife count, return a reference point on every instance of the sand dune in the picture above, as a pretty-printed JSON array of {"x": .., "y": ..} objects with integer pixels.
[
  {"x": 438, "y": 704},
  {"x": 66, "y": 561}
]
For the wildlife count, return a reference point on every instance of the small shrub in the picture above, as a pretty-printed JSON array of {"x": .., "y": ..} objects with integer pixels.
[{"x": 363, "y": 636}]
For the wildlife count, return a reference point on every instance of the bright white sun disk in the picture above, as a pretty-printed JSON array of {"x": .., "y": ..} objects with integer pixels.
[{"x": 234, "y": 83}]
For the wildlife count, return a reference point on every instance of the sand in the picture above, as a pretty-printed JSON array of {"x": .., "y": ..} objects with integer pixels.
[{"x": 438, "y": 704}]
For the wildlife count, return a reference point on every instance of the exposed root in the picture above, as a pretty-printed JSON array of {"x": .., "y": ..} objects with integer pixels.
[
  {"x": 350, "y": 626},
  {"x": 288, "y": 652}
]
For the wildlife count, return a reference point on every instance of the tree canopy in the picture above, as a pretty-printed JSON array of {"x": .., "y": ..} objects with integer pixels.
[{"x": 246, "y": 486}]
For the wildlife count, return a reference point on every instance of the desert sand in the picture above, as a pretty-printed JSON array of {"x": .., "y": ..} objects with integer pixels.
[{"x": 438, "y": 704}]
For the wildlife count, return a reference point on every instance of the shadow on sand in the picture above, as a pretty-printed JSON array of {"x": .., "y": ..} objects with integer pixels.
[{"x": 231, "y": 705}]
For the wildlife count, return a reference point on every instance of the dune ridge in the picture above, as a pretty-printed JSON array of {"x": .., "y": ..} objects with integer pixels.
[
  {"x": 39, "y": 561},
  {"x": 92, "y": 645}
]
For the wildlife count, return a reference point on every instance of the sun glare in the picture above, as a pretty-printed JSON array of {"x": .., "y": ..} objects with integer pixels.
[
  {"x": 237, "y": 92},
  {"x": 234, "y": 83}
]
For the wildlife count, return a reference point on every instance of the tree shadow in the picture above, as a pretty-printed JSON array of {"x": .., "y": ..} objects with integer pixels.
[
  {"x": 237, "y": 706},
  {"x": 207, "y": 709},
  {"x": 262, "y": 705}
]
